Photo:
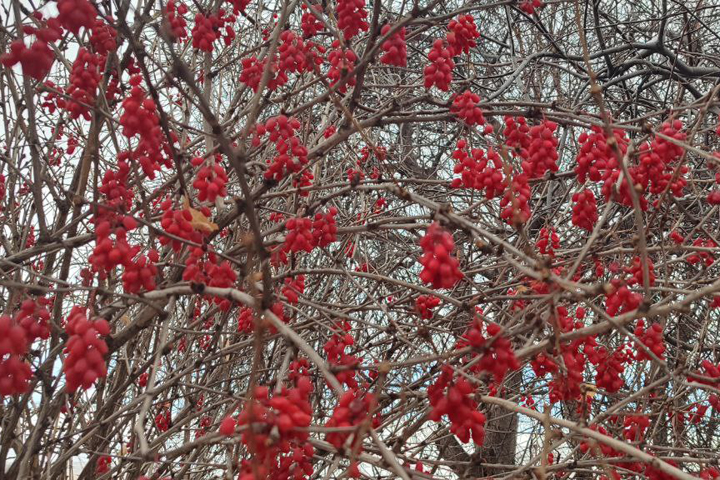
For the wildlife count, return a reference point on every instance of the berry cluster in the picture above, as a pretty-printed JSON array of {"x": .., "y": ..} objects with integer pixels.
[
  {"x": 335, "y": 348},
  {"x": 76, "y": 14},
  {"x": 325, "y": 228},
  {"x": 424, "y": 305},
  {"x": 210, "y": 272},
  {"x": 292, "y": 155},
  {"x": 342, "y": 62},
  {"x": 548, "y": 241},
  {"x": 178, "y": 223},
  {"x": 636, "y": 272},
  {"x": 621, "y": 299},
  {"x": 542, "y": 152},
  {"x": 596, "y": 156},
  {"x": 85, "y": 350},
  {"x": 462, "y": 35},
  {"x": 394, "y": 47},
  {"x": 478, "y": 171},
  {"x": 309, "y": 22},
  {"x": 353, "y": 409},
  {"x": 276, "y": 433},
  {"x": 439, "y": 72},
  {"x": 655, "y": 169},
  {"x": 85, "y": 77},
  {"x": 497, "y": 357},
  {"x": 351, "y": 17},
  {"x": 609, "y": 369},
  {"x": 177, "y": 25},
  {"x": 515, "y": 203},
  {"x": 529, "y": 6},
  {"x": 440, "y": 268},
  {"x": 140, "y": 118},
  {"x": 452, "y": 397},
  {"x": 465, "y": 107},
  {"x": 210, "y": 180},
  {"x": 516, "y": 133},
  {"x": 584, "y": 210},
  {"x": 293, "y": 287},
  {"x": 207, "y": 30},
  {"x": 652, "y": 338},
  {"x": 705, "y": 256}
]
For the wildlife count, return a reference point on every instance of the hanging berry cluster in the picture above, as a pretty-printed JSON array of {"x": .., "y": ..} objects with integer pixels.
[
  {"x": 351, "y": 17},
  {"x": 85, "y": 349},
  {"x": 276, "y": 433},
  {"x": 292, "y": 154},
  {"x": 478, "y": 171},
  {"x": 440, "y": 268},
  {"x": 424, "y": 305},
  {"x": 451, "y": 396},
  {"x": 465, "y": 107},
  {"x": 394, "y": 47},
  {"x": 17, "y": 334}
]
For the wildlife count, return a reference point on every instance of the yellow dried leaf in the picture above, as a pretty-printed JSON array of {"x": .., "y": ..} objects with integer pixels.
[{"x": 199, "y": 221}]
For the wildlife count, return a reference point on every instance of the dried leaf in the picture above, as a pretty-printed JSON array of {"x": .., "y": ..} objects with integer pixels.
[{"x": 199, "y": 221}]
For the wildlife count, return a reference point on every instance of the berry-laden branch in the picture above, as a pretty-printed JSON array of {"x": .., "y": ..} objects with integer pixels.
[{"x": 351, "y": 239}]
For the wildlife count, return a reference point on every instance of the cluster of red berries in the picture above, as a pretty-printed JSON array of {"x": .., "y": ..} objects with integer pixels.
[
  {"x": 292, "y": 155},
  {"x": 103, "y": 38},
  {"x": 516, "y": 133},
  {"x": 163, "y": 420},
  {"x": 141, "y": 273},
  {"x": 655, "y": 169},
  {"x": 543, "y": 364},
  {"x": 177, "y": 25},
  {"x": 207, "y": 30},
  {"x": 452, "y": 397},
  {"x": 566, "y": 385},
  {"x": 309, "y": 22},
  {"x": 609, "y": 369},
  {"x": 335, "y": 348},
  {"x": 351, "y": 17},
  {"x": 542, "y": 154},
  {"x": 85, "y": 350},
  {"x": 439, "y": 72},
  {"x": 103, "y": 464},
  {"x": 394, "y": 47},
  {"x": 548, "y": 241},
  {"x": 210, "y": 180},
  {"x": 178, "y": 223},
  {"x": 704, "y": 256},
  {"x": 497, "y": 357},
  {"x": 465, "y": 107},
  {"x": 635, "y": 427},
  {"x": 76, "y": 14},
  {"x": 85, "y": 77},
  {"x": 424, "y": 305},
  {"x": 342, "y": 62},
  {"x": 109, "y": 253},
  {"x": 37, "y": 60},
  {"x": 252, "y": 72},
  {"x": 652, "y": 338},
  {"x": 440, "y": 268},
  {"x": 515, "y": 203},
  {"x": 276, "y": 428},
  {"x": 584, "y": 210},
  {"x": 462, "y": 35},
  {"x": 17, "y": 333},
  {"x": 140, "y": 117},
  {"x": 596, "y": 156},
  {"x": 325, "y": 228},
  {"x": 291, "y": 53},
  {"x": 210, "y": 272},
  {"x": 529, "y": 6},
  {"x": 353, "y": 409},
  {"x": 621, "y": 299},
  {"x": 293, "y": 287},
  {"x": 478, "y": 171},
  {"x": 636, "y": 272}
]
